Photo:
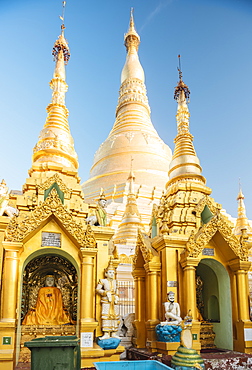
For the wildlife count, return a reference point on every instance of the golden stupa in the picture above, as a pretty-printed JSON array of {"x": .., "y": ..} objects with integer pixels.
[{"x": 132, "y": 136}]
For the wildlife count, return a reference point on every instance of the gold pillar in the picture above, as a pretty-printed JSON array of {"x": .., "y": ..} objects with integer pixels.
[
  {"x": 10, "y": 281},
  {"x": 153, "y": 299},
  {"x": 240, "y": 269},
  {"x": 189, "y": 265},
  {"x": 87, "y": 290},
  {"x": 139, "y": 322},
  {"x": 243, "y": 312},
  {"x": 9, "y": 304}
]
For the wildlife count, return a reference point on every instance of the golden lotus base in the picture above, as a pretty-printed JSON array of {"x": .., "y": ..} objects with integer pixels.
[{"x": 29, "y": 332}]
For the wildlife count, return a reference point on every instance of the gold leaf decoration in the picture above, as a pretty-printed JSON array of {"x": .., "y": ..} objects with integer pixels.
[
  {"x": 207, "y": 201},
  {"x": 17, "y": 231},
  {"x": 198, "y": 241},
  {"x": 89, "y": 239},
  {"x": 141, "y": 246},
  {"x": 55, "y": 178}
]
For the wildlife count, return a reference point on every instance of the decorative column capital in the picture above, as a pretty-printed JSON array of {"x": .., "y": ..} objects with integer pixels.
[
  {"x": 138, "y": 273},
  {"x": 152, "y": 267},
  {"x": 13, "y": 246},
  {"x": 237, "y": 265},
  {"x": 186, "y": 261},
  {"x": 87, "y": 252}
]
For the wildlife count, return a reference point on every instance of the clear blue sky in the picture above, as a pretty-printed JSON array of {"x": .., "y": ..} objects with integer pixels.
[{"x": 214, "y": 38}]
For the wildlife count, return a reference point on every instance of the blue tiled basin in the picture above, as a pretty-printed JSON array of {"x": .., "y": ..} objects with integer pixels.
[{"x": 131, "y": 365}]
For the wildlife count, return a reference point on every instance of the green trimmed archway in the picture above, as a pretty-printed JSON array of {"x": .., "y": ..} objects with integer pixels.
[{"x": 216, "y": 295}]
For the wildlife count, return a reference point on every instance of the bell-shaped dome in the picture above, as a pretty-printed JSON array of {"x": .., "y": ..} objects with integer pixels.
[{"x": 133, "y": 134}]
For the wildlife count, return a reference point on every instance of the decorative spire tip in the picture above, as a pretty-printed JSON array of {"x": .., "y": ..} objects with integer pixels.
[
  {"x": 61, "y": 46},
  {"x": 181, "y": 85},
  {"x": 62, "y": 17}
]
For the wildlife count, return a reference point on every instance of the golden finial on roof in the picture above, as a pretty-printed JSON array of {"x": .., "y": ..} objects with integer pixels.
[
  {"x": 61, "y": 45},
  {"x": 185, "y": 162},
  {"x": 242, "y": 220},
  {"x": 131, "y": 37},
  {"x": 181, "y": 86},
  {"x": 55, "y": 146}
]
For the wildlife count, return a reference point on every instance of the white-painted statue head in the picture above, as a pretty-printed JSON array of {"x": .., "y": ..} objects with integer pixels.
[
  {"x": 49, "y": 280},
  {"x": 171, "y": 296}
]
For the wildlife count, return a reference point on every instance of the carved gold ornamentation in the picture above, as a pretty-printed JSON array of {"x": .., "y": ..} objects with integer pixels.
[
  {"x": 55, "y": 178},
  {"x": 141, "y": 245},
  {"x": 89, "y": 238},
  {"x": 198, "y": 241},
  {"x": 17, "y": 231},
  {"x": 126, "y": 259},
  {"x": 207, "y": 201}
]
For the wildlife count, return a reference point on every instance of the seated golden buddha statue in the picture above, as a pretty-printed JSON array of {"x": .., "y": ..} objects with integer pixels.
[{"x": 49, "y": 309}]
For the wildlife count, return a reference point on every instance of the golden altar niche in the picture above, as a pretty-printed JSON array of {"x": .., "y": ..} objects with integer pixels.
[
  {"x": 34, "y": 278},
  {"x": 207, "y": 334}
]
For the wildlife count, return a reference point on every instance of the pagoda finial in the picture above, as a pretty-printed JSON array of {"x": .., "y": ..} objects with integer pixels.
[
  {"x": 132, "y": 67},
  {"x": 62, "y": 17},
  {"x": 132, "y": 25},
  {"x": 242, "y": 220},
  {"x": 181, "y": 88},
  {"x": 61, "y": 49},
  {"x": 179, "y": 68},
  {"x": 55, "y": 146},
  {"x": 131, "y": 38},
  {"x": 185, "y": 162}
]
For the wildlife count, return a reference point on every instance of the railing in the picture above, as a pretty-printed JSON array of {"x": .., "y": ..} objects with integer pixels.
[{"x": 127, "y": 297}]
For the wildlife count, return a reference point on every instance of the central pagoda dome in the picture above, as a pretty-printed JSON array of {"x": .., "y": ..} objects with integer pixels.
[{"x": 132, "y": 136}]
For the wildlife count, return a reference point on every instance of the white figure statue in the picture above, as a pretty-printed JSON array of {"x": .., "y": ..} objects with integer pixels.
[
  {"x": 107, "y": 288},
  {"x": 172, "y": 311}
]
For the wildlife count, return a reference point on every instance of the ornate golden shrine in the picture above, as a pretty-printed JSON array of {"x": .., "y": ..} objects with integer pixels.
[
  {"x": 189, "y": 235},
  {"x": 187, "y": 231},
  {"x": 49, "y": 236}
]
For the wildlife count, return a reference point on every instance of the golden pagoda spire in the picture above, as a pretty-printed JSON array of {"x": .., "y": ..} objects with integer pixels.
[
  {"x": 55, "y": 147},
  {"x": 132, "y": 67},
  {"x": 242, "y": 220},
  {"x": 131, "y": 220},
  {"x": 185, "y": 163},
  {"x": 132, "y": 76},
  {"x": 132, "y": 133}
]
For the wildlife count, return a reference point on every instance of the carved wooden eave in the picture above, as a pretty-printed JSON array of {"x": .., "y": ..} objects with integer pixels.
[
  {"x": 144, "y": 247},
  {"x": 207, "y": 201},
  {"x": 55, "y": 178},
  {"x": 197, "y": 241},
  {"x": 18, "y": 229}
]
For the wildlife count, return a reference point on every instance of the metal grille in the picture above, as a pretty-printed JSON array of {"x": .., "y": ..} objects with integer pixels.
[{"x": 127, "y": 297}]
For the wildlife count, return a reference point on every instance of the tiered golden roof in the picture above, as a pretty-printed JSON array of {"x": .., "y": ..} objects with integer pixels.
[
  {"x": 54, "y": 150},
  {"x": 185, "y": 163},
  {"x": 132, "y": 134},
  {"x": 186, "y": 185}
]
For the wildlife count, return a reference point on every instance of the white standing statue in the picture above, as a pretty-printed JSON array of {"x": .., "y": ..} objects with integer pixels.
[
  {"x": 172, "y": 311},
  {"x": 107, "y": 288}
]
